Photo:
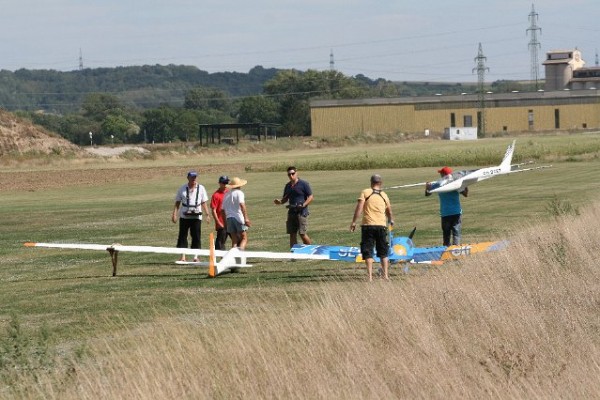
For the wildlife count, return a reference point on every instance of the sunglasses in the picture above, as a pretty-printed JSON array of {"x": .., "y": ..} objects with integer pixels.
[{"x": 291, "y": 173}]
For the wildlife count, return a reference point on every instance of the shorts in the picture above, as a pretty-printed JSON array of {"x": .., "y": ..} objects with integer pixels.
[
  {"x": 235, "y": 226},
  {"x": 374, "y": 237},
  {"x": 296, "y": 223}
]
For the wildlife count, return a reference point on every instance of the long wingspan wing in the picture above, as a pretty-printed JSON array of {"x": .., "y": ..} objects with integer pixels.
[
  {"x": 119, "y": 247},
  {"x": 405, "y": 186},
  {"x": 176, "y": 250},
  {"x": 529, "y": 169},
  {"x": 233, "y": 258}
]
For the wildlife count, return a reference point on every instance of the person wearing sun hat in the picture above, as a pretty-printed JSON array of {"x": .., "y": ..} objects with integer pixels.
[
  {"x": 235, "y": 212},
  {"x": 216, "y": 205},
  {"x": 190, "y": 201},
  {"x": 450, "y": 208}
]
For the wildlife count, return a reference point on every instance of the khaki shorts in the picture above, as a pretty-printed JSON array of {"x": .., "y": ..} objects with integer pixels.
[{"x": 296, "y": 224}]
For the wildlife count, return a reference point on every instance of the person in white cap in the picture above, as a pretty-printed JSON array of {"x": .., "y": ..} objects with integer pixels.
[
  {"x": 236, "y": 213},
  {"x": 190, "y": 202}
]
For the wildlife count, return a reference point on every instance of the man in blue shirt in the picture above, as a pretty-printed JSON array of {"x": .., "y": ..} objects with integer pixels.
[
  {"x": 450, "y": 209},
  {"x": 298, "y": 194}
]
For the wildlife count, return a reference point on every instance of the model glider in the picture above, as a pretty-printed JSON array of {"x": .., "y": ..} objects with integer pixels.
[
  {"x": 228, "y": 259},
  {"x": 459, "y": 180},
  {"x": 403, "y": 250}
]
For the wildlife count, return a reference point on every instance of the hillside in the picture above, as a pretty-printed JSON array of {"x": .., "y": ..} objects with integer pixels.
[
  {"x": 140, "y": 87},
  {"x": 19, "y": 136}
]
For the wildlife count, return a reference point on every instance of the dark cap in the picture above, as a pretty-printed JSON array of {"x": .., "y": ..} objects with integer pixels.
[
  {"x": 192, "y": 174},
  {"x": 224, "y": 179},
  {"x": 376, "y": 178}
]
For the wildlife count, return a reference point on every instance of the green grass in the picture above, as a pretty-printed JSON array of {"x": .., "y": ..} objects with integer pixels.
[{"x": 72, "y": 294}]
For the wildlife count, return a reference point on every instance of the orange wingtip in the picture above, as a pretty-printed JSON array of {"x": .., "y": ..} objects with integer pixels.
[
  {"x": 211, "y": 257},
  {"x": 29, "y": 244}
]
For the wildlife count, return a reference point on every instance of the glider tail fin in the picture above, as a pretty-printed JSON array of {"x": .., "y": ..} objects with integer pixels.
[
  {"x": 506, "y": 161},
  {"x": 412, "y": 233}
]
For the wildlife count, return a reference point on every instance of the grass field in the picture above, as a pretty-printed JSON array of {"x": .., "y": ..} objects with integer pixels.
[{"x": 303, "y": 329}]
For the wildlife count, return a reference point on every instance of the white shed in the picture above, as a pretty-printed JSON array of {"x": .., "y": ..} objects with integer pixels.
[{"x": 460, "y": 133}]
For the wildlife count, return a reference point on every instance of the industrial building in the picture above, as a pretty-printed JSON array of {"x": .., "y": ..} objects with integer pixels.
[{"x": 569, "y": 102}]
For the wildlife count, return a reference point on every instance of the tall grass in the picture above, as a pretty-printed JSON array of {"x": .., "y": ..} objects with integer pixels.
[{"x": 522, "y": 323}]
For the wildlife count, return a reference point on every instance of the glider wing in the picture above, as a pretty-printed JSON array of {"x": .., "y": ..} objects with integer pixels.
[{"x": 233, "y": 258}]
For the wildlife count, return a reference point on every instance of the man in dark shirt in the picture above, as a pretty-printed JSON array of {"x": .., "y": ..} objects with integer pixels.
[{"x": 298, "y": 194}]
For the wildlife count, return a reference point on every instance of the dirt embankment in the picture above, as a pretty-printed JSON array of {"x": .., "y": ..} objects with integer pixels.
[{"x": 19, "y": 136}]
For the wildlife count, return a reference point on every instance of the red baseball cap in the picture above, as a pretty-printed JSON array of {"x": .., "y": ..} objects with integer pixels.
[{"x": 445, "y": 171}]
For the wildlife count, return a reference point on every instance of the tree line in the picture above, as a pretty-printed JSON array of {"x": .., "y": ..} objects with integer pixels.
[{"x": 146, "y": 104}]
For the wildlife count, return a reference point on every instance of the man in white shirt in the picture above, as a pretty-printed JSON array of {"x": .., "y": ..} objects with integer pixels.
[
  {"x": 190, "y": 205},
  {"x": 236, "y": 213}
]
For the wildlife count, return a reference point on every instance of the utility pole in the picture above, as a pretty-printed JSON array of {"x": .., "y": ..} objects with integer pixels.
[
  {"x": 331, "y": 62},
  {"x": 80, "y": 60},
  {"x": 481, "y": 68},
  {"x": 534, "y": 45}
]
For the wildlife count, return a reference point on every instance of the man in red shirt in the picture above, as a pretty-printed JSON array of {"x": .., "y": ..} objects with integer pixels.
[{"x": 216, "y": 205}]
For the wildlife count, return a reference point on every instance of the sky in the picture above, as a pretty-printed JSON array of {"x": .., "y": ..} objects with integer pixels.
[{"x": 401, "y": 40}]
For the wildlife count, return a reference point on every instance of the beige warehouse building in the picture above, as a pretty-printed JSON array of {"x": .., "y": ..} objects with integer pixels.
[{"x": 559, "y": 109}]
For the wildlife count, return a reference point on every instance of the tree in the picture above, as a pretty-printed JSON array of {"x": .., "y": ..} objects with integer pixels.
[
  {"x": 293, "y": 90},
  {"x": 503, "y": 86},
  {"x": 206, "y": 99},
  {"x": 186, "y": 125},
  {"x": 98, "y": 106},
  {"x": 158, "y": 125},
  {"x": 258, "y": 109},
  {"x": 121, "y": 129}
]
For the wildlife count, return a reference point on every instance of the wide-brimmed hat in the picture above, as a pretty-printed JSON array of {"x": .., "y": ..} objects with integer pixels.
[
  {"x": 236, "y": 182},
  {"x": 445, "y": 171}
]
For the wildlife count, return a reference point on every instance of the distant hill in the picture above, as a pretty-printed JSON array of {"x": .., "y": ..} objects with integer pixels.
[
  {"x": 151, "y": 86},
  {"x": 141, "y": 87}
]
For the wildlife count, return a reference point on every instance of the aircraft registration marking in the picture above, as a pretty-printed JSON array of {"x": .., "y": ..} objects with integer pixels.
[
  {"x": 493, "y": 171},
  {"x": 461, "y": 251},
  {"x": 348, "y": 251}
]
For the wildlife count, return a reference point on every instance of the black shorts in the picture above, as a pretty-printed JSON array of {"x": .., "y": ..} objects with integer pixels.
[{"x": 373, "y": 236}]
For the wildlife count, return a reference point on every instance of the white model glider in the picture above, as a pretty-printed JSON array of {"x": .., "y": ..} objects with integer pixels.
[
  {"x": 228, "y": 259},
  {"x": 459, "y": 180}
]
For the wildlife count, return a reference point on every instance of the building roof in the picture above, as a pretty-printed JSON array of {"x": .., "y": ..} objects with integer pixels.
[{"x": 500, "y": 97}]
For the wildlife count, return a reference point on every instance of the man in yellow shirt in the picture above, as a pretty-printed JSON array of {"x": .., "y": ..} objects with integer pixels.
[{"x": 376, "y": 210}]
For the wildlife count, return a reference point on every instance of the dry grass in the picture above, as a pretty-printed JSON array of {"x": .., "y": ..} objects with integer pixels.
[{"x": 524, "y": 323}]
